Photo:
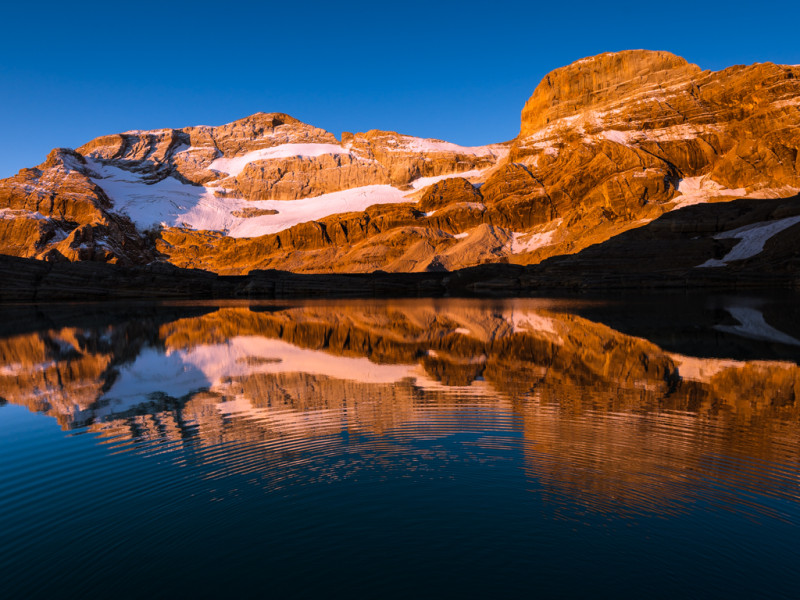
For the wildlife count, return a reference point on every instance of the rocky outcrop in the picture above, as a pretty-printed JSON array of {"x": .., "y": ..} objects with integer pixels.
[
  {"x": 56, "y": 212},
  {"x": 742, "y": 120},
  {"x": 304, "y": 177},
  {"x": 599, "y": 81},
  {"x": 613, "y": 141},
  {"x": 455, "y": 190},
  {"x": 408, "y": 158},
  {"x": 694, "y": 247},
  {"x": 189, "y": 151}
]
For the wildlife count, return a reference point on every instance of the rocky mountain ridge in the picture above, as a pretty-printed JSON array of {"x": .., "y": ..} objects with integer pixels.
[{"x": 607, "y": 144}]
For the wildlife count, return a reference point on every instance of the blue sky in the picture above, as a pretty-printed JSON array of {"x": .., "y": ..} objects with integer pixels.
[{"x": 459, "y": 71}]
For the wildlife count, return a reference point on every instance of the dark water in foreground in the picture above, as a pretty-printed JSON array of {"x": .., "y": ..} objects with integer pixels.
[{"x": 426, "y": 448}]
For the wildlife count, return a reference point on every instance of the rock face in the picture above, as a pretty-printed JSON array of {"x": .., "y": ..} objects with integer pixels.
[
  {"x": 606, "y": 144},
  {"x": 738, "y": 126},
  {"x": 599, "y": 81},
  {"x": 751, "y": 243},
  {"x": 56, "y": 212},
  {"x": 624, "y": 137}
]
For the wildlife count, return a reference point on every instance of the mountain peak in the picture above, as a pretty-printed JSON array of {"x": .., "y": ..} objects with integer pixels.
[
  {"x": 271, "y": 119},
  {"x": 596, "y": 80}
]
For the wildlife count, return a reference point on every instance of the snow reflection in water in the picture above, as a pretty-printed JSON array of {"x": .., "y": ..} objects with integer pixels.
[{"x": 405, "y": 433}]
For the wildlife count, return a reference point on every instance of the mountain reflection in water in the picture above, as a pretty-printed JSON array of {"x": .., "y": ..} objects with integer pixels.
[{"x": 542, "y": 397}]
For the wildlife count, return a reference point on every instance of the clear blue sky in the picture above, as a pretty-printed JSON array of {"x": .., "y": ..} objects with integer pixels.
[{"x": 460, "y": 71}]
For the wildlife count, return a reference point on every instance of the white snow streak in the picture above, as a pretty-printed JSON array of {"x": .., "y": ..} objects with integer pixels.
[
  {"x": 531, "y": 322},
  {"x": 422, "y": 182},
  {"x": 528, "y": 241},
  {"x": 696, "y": 190},
  {"x": 172, "y": 203},
  {"x": 753, "y": 326},
  {"x": 293, "y": 212},
  {"x": 753, "y": 237},
  {"x": 415, "y": 144},
  {"x": 235, "y": 165},
  {"x": 620, "y": 137},
  {"x": 691, "y": 368},
  {"x": 10, "y": 213}
]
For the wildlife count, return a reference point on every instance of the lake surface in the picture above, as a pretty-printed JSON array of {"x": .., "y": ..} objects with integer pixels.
[{"x": 421, "y": 448}]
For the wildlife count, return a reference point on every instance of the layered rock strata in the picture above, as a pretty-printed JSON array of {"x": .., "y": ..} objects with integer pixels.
[{"x": 607, "y": 144}]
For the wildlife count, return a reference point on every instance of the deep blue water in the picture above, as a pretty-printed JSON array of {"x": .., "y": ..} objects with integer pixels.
[{"x": 427, "y": 449}]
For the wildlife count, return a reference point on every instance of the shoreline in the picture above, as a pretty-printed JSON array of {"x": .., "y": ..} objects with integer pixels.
[{"x": 29, "y": 280}]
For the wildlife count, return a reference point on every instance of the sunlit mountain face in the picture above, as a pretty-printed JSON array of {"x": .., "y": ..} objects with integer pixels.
[
  {"x": 393, "y": 446},
  {"x": 636, "y": 161}
]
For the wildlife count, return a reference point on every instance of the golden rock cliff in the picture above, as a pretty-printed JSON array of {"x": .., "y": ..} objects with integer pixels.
[{"x": 606, "y": 144}]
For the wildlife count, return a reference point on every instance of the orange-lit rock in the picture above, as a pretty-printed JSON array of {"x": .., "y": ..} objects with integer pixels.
[{"x": 606, "y": 144}]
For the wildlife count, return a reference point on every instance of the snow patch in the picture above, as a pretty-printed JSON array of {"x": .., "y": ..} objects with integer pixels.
[
  {"x": 752, "y": 239},
  {"x": 415, "y": 144},
  {"x": 10, "y": 213},
  {"x": 677, "y": 133},
  {"x": 235, "y": 165},
  {"x": 423, "y": 182},
  {"x": 786, "y": 103},
  {"x": 753, "y": 326},
  {"x": 24, "y": 370},
  {"x": 185, "y": 149},
  {"x": 620, "y": 137},
  {"x": 531, "y": 322},
  {"x": 293, "y": 212},
  {"x": 696, "y": 190},
  {"x": 172, "y": 203},
  {"x": 528, "y": 242},
  {"x": 182, "y": 147},
  {"x": 691, "y": 368},
  {"x": 146, "y": 131}
]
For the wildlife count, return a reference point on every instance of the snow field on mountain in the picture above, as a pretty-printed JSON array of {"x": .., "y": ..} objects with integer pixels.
[
  {"x": 10, "y": 213},
  {"x": 752, "y": 239},
  {"x": 415, "y": 144},
  {"x": 235, "y": 165},
  {"x": 696, "y": 190},
  {"x": 172, "y": 203},
  {"x": 528, "y": 242}
]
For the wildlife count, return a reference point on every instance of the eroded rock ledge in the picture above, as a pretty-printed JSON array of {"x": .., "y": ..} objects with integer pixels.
[{"x": 670, "y": 252}]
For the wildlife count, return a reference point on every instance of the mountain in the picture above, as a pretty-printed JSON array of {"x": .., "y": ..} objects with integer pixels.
[{"x": 608, "y": 144}]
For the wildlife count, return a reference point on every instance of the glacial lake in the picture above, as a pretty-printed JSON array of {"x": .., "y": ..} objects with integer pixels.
[{"x": 645, "y": 448}]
